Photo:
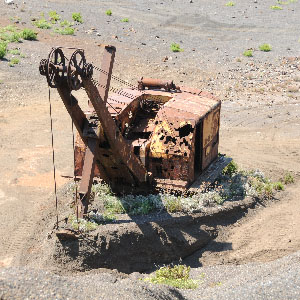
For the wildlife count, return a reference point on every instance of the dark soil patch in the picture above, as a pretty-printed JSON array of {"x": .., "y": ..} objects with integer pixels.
[{"x": 143, "y": 242}]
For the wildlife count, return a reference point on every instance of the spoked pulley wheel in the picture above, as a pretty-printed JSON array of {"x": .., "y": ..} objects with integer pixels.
[
  {"x": 55, "y": 67},
  {"x": 76, "y": 68}
]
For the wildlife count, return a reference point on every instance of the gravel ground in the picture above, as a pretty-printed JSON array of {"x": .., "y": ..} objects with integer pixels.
[{"x": 279, "y": 279}]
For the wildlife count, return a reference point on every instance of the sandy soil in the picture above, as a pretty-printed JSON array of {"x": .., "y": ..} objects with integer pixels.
[{"x": 260, "y": 109}]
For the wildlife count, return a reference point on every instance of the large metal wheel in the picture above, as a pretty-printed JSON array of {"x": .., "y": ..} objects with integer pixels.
[
  {"x": 55, "y": 66},
  {"x": 76, "y": 66}
]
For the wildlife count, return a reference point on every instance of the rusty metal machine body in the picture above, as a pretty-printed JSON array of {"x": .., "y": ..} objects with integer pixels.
[{"x": 155, "y": 135}]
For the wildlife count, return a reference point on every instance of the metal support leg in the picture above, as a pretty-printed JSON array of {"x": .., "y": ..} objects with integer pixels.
[{"x": 87, "y": 177}]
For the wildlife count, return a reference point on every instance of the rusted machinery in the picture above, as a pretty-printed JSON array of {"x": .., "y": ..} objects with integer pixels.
[{"x": 149, "y": 136}]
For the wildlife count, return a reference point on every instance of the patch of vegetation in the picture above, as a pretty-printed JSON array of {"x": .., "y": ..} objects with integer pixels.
[
  {"x": 175, "y": 47},
  {"x": 288, "y": 178},
  {"x": 177, "y": 276},
  {"x": 230, "y": 3},
  {"x": 65, "y": 30},
  {"x": 3, "y": 49},
  {"x": 66, "y": 23},
  {"x": 276, "y": 7},
  {"x": 14, "y": 52},
  {"x": 248, "y": 53},
  {"x": 233, "y": 184},
  {"x": 42, "y": 23},
  {"x": 81, "y": 225},
  {"x": 29, "y": 34},
  {"x": 173, "y": 203},
  {"x": 278, "y": 186},
  {"x": 108, "y": 12},
  {"x": 54, "y": 17},
  {"x": 265, "y": 47},
  {"x": 77, "y": 17},
  {"x": 10, "y": 28},
  {"x": 13, "y": 37},
  {"x": 230, "y": 169},
  {"x": 14, "y": 61},
  {"x": 125, "y": 20},
  {"x": 286, "y": 2}
]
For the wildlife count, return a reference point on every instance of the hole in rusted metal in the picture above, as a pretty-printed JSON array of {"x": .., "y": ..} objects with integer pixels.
[{"x": 185, "y": 130}]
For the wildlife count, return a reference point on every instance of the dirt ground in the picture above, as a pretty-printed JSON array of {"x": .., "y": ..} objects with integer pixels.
[{"x": 260, "y": 125}]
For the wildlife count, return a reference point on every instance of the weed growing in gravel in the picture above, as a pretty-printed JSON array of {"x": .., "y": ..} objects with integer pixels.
[
  {"x": 108, "y": 12},
  {"x": 276, "y": 7},
  {"x": 248, "y": 53},
  {"x": 288, "y": 178},
  {"x": 77, "y": 17},
  {"x": 3, "y": 49},
  {"x": 13, "y": 62},
  {"x": 54, "y": 17},
  {"x": 65, "y": 30},
  {"x": 42, "y": 23},
  {"x": 14, "y": 52},
  {"x": 230, "y": 3},
  {"x": 265, "y": 47},
  {"x": 125, "y": 20},
  {"x": 29, "y": 34},
  {"x": 176, "y": 276},
  {"x": 66, "y": 23},
  {"x": 9, "y": 34},
  {"x": 176, "y": 47},
  {"x": 278, "y": 186},
  {"x": 230, "y": 169},
  {"x": 286, "y": 2}
]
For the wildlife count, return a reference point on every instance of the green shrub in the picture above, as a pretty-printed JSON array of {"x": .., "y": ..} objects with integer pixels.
[
  {"x": 276, "y": 7},
  {"x": 177, "y": 276},
  {"x": 248, "y": 53},
  {"x": 3, "y": 47},
  {"x": 77, "y": 17},
  {"x": 265, "y": 47},
  {"x": 288, "y": 178},
  {"x": 108, "y": 12},
  {"x": 175, "y": 47},
  {"x": 54, "y": 17},
  {"x": 13, "y": 62},
  {"x": 28, "y": 34},
  {"x": 230, "y": 3},
  {"x": 230, "y": 169},
  {"x": 65, "y": 30},
  {"x": 42, "y": 24},
  {"x": 125, "y": 20}
]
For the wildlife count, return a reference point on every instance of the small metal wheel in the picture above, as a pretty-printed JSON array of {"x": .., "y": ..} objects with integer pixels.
[
  {"x": 75, "y": 70},
  {"x": 55, "y": 66}
]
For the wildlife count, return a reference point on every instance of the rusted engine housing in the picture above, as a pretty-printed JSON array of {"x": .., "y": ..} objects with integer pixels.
[{"x": 174, "y": 133}]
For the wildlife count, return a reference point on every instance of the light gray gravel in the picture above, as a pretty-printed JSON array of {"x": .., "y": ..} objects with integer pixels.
[{"x": 278, "y": 280}]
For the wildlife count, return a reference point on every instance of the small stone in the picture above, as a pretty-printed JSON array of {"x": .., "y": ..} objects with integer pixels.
[
  {"x": 115, "y": 37},
  {"x": 165, "y": 59}
]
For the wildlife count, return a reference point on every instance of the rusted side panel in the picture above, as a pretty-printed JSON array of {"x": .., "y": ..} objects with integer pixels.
[{"x": 211, "y": 124}]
